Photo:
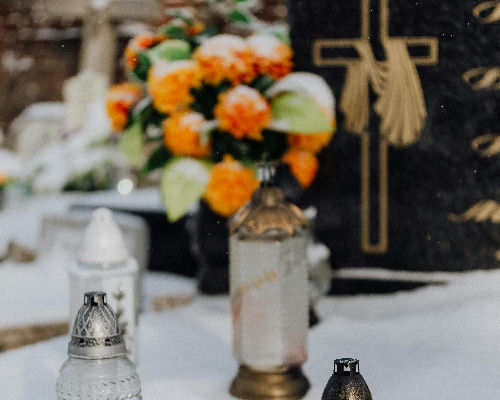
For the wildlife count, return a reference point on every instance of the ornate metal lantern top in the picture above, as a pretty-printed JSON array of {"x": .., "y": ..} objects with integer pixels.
[
  {"x": 346, "y": 383},
  {"x": 267, "y": 215},
  {"x": 96, "y": 333}
]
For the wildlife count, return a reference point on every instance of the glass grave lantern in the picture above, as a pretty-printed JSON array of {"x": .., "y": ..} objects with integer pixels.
[
  {"x": 97, "y": 367},
  {"x": 103, "y": 263},
  {"x": 269, "y": 295}
]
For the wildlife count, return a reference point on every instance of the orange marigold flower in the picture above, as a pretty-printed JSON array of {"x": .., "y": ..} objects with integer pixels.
[
  {"x": 120, "y": 99},
  {"x": 303, "y": 165},
  {"x": 182, "y": 134},
  {"x": 225, "y": 57},
  {"x": 230, "y": 186},
  {"x": 243, "y": 111},
  {"x": 170, "y": 83},
  {"x": 272, "y": 57},
  {"x": 195, "y": 28},
  {"x": 310, "y": 142},
  {"x": 141, "y": 42},
  {"x": 3, "y": 179}
]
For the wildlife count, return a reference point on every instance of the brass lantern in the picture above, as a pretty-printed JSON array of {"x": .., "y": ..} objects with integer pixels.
[{"x": 269, "y": 296}]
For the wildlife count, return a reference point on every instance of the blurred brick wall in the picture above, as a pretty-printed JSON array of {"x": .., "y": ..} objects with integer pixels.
[
  {"x": 35, "y": 58},
  {"x": 38, "y": 54}
]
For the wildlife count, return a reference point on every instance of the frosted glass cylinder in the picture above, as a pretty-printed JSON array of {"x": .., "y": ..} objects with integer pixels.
[
  {"x": 119, "y": 282},
  {"x": 104, "y": 379},
  {"x": 269, "y": 297}
]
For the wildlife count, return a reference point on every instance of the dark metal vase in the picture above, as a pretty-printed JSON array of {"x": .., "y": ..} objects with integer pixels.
[
  {"x": 209, "y": 245},
  {"x": 346, "y": 383}
]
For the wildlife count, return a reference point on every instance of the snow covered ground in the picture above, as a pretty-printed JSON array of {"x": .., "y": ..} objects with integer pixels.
[{"x": 435, "y": 343}]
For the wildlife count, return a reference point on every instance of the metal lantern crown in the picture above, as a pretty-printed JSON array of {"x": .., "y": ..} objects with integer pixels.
[
  {"x": 346, "y": 383},
  {"x": 268, "y": 216},
  {"x": 96, "y": 333}
]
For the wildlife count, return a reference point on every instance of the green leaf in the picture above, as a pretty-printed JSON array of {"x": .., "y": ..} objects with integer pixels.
[
  {"x": 208, "y": 32},
  {"x": 239, "y": 16},
  {"x": 282, "y": 32},
  {"x": 143, "y": 66},
  {"x": 171, "y": 50},
  {"x": 183, "y": 16},
  {"x": 262, "y": 83},
  {"x": 157, "y": 159},
  {"x": 142, "y": 110},
  {"x": 297, "y": 113},
  {"x": 131, "y": 143},
  {"x": 182, "y": 185},
  {"x": 173, "y": 31}
]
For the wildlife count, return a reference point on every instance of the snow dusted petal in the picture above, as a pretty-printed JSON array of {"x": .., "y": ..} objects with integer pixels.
[
  {"x": 225, "y": 57},
  {"x": 243, "y": 111},
  {"x": 191, "y": 169},
  {"x": 10, "y": 164},
  {"x": 272, "y": 56},
  {"x": 120, "y": 99},
  {"x": 182, "y": 185},
  {"x": 183, "y": 133},
  {"x": 170, "y": 83},
  {"x": 307, "y": 84}
]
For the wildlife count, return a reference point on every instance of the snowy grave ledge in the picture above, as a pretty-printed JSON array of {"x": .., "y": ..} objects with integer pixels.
[{"x": 436, "y": 343}]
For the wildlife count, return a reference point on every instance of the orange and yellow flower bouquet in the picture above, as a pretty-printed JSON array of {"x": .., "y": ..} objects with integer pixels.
[{"x": 212, "y": 105}]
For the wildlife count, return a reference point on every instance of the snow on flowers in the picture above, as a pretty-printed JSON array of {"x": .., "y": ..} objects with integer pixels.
[{"x": 206, "y": 107}]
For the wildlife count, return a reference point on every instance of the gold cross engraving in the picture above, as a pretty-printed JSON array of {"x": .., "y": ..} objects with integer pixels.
[
  {"x": 400, "y": 103},
  {"x": 484, "y": 78},
  {"x": 487, "y": 12},
  {"x": 482, "y": 212},
  {"x": 487, "y": 145}
]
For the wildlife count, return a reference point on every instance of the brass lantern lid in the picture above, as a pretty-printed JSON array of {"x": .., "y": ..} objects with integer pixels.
[{"x": 267, "y": 216}]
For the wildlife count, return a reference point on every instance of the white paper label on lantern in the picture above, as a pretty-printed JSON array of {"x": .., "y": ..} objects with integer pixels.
[
  {"x": 120, "y": 286},
  {"x": 269, "y": 293}
]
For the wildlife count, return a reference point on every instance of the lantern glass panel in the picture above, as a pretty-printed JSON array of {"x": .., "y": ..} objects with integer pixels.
[{"x": 269, "y": 293}]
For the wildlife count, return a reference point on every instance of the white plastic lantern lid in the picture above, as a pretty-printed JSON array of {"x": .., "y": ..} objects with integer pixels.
[{"x": 102, "y": 240}]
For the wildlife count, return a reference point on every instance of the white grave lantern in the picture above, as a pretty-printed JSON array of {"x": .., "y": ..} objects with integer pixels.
[
  {"x": 103, "y": 264},
  {"x": 270, "y": 296}
]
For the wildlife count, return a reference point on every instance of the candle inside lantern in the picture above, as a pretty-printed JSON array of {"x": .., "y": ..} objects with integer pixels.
[{"x": 269, "y": 317}]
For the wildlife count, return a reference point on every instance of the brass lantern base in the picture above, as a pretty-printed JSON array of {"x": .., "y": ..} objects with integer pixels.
[{"x": 285, "y": 384}]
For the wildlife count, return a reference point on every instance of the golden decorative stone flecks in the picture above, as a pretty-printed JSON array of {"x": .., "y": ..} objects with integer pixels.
[{"x": 285, "y": 384}]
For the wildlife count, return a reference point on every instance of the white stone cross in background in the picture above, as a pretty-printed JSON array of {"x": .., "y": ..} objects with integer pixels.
[{"x": 100, "y": 17}]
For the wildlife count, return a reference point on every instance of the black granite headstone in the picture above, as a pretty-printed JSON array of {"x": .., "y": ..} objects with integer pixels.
[{"x": 412, "y": 178}]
